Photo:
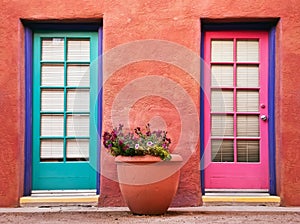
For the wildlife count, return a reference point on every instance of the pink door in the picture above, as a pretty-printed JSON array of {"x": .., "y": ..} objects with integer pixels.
[{"x": 236, "y": 110}]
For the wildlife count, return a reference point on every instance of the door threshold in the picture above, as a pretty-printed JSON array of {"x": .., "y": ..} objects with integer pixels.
[
  {"x": 62, "y": 193},
  {"x": 55, "y": 198},
  {"x": 237, "y": 192},
  {"x": 239, "y": 197}
]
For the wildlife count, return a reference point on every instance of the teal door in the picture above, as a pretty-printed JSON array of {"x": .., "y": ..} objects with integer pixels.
[{"x": 65, "y": 89}]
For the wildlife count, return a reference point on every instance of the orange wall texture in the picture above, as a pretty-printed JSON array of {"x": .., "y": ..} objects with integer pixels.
[{"x": 175, "y": 27}]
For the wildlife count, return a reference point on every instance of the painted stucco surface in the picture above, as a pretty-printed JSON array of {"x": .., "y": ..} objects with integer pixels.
[{"x": 172, "y": 27}]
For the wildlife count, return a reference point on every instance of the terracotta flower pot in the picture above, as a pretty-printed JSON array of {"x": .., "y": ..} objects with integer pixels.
[{"x": 147, "y": 183}]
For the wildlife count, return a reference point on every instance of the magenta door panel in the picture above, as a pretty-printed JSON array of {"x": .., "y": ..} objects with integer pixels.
[{"x": 236, "y": 110}]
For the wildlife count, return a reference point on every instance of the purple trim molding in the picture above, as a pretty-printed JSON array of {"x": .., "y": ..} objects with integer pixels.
[
  {"x": 28, "y": 112},
  {"x": 29, "y": 27},
  {"x": 268, "y": 26},
  {"x": 271, "y": 95},
  {"x": 100, "y": 85}
]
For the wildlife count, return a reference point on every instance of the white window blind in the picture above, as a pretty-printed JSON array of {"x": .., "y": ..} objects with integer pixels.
[
  {"x": 222, "y": 75},
  {"x": 78, "y": 125},
  {"x": 222, "y": 151},
  {"x": 221, "y": 100},
  {"x": 222, "y": 51},
  {"x": 78, "y": 100},
  {"x": 247, "y": 100},
  {"x": 53, "y": 49},
  {"x": 52, "y": 100},
  {"x": 52, "y": 148},
  {"x": 248, "y": 151},
  {"x": 222, "y": 125},
  {"x": 247, "y": 51},
  {"x": 78, "y": 75},
  {"x": 77, "y": 148},
  {"x": 52, "y": 125},
  {"x": 52, "y": 75},
  {"x": 247, "y": 76},
  {"x": 247, "y": 125},
  {"x": 78, "y": 50}
]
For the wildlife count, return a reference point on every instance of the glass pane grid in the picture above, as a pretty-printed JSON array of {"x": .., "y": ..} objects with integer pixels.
[
  {"x": 235, "y": 106},
  {"x": 64, "y": 100}
]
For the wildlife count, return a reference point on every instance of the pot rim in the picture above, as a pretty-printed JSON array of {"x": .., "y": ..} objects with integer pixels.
[{"x": 147, "y": 158}]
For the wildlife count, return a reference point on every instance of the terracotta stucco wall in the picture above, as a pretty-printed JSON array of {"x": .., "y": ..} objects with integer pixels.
[{"x": 174, "y": 22}]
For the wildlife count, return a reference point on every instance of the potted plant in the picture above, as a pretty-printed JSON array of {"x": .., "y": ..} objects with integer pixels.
[{"x": 148, "y": 173}]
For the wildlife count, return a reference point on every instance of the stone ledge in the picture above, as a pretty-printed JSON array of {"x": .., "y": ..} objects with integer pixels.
[
  {"x": 241, "y": 200},
  {"x": 59, "y": 201}
]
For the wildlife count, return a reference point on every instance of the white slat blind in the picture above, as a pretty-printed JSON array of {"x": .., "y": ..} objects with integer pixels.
[
  {"x": 52, "y": 75},
  {"x": 248, "y": 151},
  {"x": 78, "y": 50},
  {"x": 78, "y": 100},
  {"x": 222, "y": 101},
  {"x": 247, "y": 126},
  {"x": 52, "y": 125},
  {"x": 78, "y": 125},
  {"x": 53, "y": 49},
  {"x": 222, "y": 51},
  {"x": 247, "y": 100},
  {"x": 247, "y": 76},
  {"x": 52, "y": 148},
  {"x": 77, "y": 148},
  {"x": 247, "y": 51},
  {"x": 222, "y": 150},
  {"x": 222, "y": 75},
  {"x": 52, "y": 100},
  {"x": 78, "y": 75},
  {"x": 222, "y": 125}
]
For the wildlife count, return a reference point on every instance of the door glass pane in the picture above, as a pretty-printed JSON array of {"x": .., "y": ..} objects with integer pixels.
[
  {"x": 247, "y": 51},
  {"x": 248, "y": 151},
  {"x": 247, "y": 76},
  {"x": 52, "y": 75},
  {"x": 78, "y": 50},
  {"x": 222, "y": 75},
  {"x": 52, "y": 149},
  {"x": 222, "y": 125},
  {"x": 78, "y": 125},
  {"x": 52, "y": 125},
  {"x": 248, "y": 125},
  {"x": 53, "y": 49},
  {"x": 52, "y": 100},
  {"x": 78, "y": 100},
  {"x": 222, "y": 151},
  {"x": 78, "y": 75},
  {"x": 222, "y": 50},
  {"x": 77, "y": 149},
  {"x": 247, "y": 100},
  {"x": 222, "y": 100}
]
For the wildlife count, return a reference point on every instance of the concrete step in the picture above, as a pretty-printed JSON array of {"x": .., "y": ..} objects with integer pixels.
[
  {"x": 238, "y": 199},
  {"x": 47, "y": 198}
]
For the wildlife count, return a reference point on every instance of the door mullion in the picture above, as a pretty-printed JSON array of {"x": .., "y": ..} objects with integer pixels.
[
  {"x": 234, "y": 99},
  {"x": 65, "y": 99}
]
